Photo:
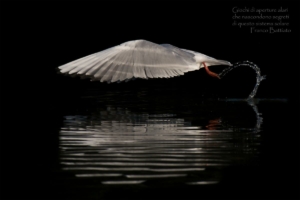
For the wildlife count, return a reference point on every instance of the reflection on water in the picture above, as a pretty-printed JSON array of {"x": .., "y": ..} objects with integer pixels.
[{"x": 117, "y": 146}]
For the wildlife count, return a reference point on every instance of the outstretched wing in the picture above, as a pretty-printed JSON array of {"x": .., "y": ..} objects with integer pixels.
[{"x": 133, "y": 59}]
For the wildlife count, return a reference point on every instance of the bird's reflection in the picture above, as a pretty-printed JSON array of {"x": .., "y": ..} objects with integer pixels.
[
  {"x": 118, "y": 146},
  {"x": 213, "y": 124}
]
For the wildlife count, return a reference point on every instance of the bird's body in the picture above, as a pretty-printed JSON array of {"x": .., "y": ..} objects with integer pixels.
[{"x": 139, "y": 59}]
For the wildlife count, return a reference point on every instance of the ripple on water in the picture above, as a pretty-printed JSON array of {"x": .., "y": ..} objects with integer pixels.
[{"x": 116, "y": 146}]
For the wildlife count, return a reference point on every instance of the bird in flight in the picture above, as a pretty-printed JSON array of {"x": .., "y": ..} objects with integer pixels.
[{"x": 140, "y": 59}]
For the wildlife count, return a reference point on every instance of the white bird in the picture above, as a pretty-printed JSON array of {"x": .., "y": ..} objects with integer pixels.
[{"x": 140, "y": 59}]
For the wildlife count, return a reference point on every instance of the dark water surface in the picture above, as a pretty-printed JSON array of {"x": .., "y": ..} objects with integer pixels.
[
  {"x": 157, "y": 144},
  {"x": 188, "y": 137}
]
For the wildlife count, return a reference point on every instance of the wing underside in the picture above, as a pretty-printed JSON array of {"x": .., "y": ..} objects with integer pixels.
[
  {"x": 138, "y": 59},
  {"x": 135, "y": 59}
]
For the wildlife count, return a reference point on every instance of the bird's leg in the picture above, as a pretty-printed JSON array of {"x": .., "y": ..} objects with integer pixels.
[{"x": 212, "y": 74}]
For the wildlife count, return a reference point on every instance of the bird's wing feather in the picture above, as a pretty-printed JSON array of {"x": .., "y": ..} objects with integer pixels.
[{"x": 139, "y": 59}]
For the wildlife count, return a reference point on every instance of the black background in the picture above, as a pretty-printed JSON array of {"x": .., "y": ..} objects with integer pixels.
[{"x": 37, "y": 37}]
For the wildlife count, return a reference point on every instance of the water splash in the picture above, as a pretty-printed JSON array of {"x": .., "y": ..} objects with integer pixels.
[{"x": 259, "y": 78}]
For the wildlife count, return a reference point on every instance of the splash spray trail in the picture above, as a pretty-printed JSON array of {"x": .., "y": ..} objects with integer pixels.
[{"x": 259, "y": 78}]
